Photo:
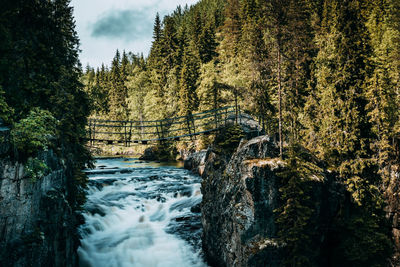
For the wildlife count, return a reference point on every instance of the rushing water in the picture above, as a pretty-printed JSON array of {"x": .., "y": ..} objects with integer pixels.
[{"x": 141, "y": 214}]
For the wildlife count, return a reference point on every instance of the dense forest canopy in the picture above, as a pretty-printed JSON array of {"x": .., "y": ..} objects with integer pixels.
[
  {"x": 42, "y": 98},
  {"x": 323, "y": 74}
]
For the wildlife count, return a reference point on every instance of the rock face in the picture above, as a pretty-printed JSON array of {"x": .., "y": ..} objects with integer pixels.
[
  {"x": 196, "y": 162},
  {"x": 37, "y": 225},
  {"x": 240, "y": 194},
  {"x": 250, "y": 126},
  {"x": 392, "y": 194}
]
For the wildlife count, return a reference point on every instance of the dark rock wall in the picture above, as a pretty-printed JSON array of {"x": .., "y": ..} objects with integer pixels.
[
  {"x": 37, "y": 225},
  {"x": 240, "y": 195},
  {"x": 392, "y": 194}
]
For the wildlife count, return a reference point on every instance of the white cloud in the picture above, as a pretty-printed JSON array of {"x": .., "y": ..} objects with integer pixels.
[{"x": 96, "y": 50}]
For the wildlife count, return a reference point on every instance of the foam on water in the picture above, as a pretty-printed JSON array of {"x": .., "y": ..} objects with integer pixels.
[{"x": 140, "y": 216}]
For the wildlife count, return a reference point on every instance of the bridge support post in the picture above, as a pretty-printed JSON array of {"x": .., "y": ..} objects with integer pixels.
[
  {"x": 188, "y": 125},
  {"x": 90, "y": 133},
  {"x": 125, "y": 135},
  {"x": 130, "y": 134}
]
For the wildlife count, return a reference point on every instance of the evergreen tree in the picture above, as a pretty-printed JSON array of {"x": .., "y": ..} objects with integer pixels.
[
  {"x": 188, "y": 84},
  {"x": 156, "y": 48},
  {"x": 118, "y": 92},
  {"x": 40, "y": 68},
  {"x": 124, "y": 66},
  {"x": 341, "y": 133},
  {"x": 294, "y": 216},
  {"x": 231, "y": 29},
  {"x": 207, "y": 43},
  {"x": 381, "y": 91}
]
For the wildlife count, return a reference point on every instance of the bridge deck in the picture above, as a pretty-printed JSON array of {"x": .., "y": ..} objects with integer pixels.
[{"x": 170, "y": 129}]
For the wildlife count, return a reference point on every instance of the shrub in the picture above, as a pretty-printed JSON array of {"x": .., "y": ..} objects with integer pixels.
[
  {"x": 6, "y": 111},
  {"x": 36, "y": 169},
  {"x": 34, "y": 133}
]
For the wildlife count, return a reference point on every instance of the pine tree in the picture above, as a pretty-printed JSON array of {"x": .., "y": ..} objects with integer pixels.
[
  {"x": 207, "y": 43},
  {"x": 156, "y": 48},
  {"x": 230, "y": 30},
  {"x": 341, "y": 134},
  {"x": 381, "y": 93},
  {"x": 294, "y": 216},
  {"x": 169, "y": 43},
  {"x": 157, "y": 31},
  {"x": 340, "y": 75},
  {"x": 40, "y": 68},
  {"x": 188, "y": 84},
  {"x": 124, "y": 66},
  {"x": 298, "y": 52},
  {"x": 118, "y": 92}
]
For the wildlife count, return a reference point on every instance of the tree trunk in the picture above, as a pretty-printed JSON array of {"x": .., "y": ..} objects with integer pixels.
[{"x": 280, "y": 103}]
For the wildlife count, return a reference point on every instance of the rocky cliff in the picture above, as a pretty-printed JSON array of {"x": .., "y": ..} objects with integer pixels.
[
  {"x": 240, "y": 194},
  {"x": 392, "y": 194},
  {"x": 37, "y": 225}
]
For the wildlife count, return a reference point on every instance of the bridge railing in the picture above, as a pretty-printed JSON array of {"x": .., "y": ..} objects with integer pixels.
[{"x": 176, "y": 128}]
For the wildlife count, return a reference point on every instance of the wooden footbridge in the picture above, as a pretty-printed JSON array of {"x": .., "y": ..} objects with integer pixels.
[{"x": 171, "y": 129}]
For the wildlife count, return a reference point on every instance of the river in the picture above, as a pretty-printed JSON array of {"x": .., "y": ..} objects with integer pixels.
[{"x": 141, "y": 214}]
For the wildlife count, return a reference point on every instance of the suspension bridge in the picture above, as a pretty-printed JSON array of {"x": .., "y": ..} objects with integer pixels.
[{"x": 171, "y": 129}]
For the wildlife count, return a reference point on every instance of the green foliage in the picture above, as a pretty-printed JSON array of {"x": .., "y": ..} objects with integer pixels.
[
  {"x": 228, "y": 139},
  {"x": 365, "y": 239},
  {"x": 188, "y": 84},
  {"x": 6, "y": 112},
  {"x": 36, "y": 169},
  {"x": 39, "y": 67},
  {"x": 294, "y": 216},
  {"x": 35, "y": 132}
]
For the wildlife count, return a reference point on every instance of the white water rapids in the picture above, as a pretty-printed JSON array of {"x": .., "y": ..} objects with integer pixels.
[{"x": 141, "y": 214}]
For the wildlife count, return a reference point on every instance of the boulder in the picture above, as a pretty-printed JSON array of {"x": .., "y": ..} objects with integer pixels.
[
  {"x": 249, "y": 125},
  {"x": 149, "y": 153},
  {"x": 196, "y": 161}
]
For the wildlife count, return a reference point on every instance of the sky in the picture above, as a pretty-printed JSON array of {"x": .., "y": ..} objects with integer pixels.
[{"x": 104, "y": 26}]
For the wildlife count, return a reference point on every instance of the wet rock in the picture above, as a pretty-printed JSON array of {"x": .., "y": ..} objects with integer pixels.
[
  {"x": 100, "y": 183},
  {"x": 196, "y": 208},
  {"x": 115, "y": 196},
  {"x": 161, "y": 199},
  {"x": 188, "y": 228},
  {"x": 149, "y": 153},
  {"x": 184, "y": 204},
  {"x": 196, "y": 161},
  {"x": 95, "y": 209},
  {"x": 154, "y": 177}
]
